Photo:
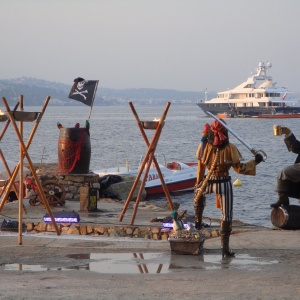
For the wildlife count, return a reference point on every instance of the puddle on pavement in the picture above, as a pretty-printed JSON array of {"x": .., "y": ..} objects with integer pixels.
[
  {"x": 150, "y": 263},
  {"x": 240, "y": 261}
]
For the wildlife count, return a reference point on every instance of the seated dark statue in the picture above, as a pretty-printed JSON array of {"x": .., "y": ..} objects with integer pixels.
[{"x": 288, "y": 180}]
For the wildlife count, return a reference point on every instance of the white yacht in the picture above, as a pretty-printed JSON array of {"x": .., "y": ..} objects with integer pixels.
[{"x": 256, "y": 97}]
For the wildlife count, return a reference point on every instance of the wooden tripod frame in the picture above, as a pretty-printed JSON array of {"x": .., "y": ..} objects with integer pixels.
[
  {"x": 16, "y": 190},
  {"x": 24, "y": 153},
  {"x": 147, "y": 161}
]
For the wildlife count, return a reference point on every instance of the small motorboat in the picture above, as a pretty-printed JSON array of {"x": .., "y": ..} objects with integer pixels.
[
  {"x": 225, "y": 115},
  {"x": 178, "y": 176}
]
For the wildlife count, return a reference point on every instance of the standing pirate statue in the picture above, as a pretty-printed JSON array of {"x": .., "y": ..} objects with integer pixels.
[{"x": 218, "y": 155}]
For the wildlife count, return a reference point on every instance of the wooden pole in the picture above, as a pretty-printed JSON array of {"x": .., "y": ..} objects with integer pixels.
[
  {"x": 133, "y": 187},
  {"x": 20, "y": 227},
  {"x": 3, "y": 159},
  {"x": 150, "y": 158},
  {"x": 7, "y": 123},
  {"x": 15, "y": 172},
  {"x": 95, "y": 90},
  {"x": 139, "y": 123},
  {"x": 147, "y": 159},
  {"x": 8, "y": 173},
  {"x": 142, "y": 167},
  {"x": 24, "y": 149}
]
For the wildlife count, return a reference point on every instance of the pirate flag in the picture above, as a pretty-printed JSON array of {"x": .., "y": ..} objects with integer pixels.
[{"x": 84, "y": 90}]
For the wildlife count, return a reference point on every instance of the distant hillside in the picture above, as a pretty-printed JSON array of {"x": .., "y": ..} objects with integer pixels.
[{"x": 35, "y": 92}]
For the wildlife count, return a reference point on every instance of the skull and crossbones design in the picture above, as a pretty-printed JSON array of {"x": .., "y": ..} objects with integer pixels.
[{"x": 79, "y": 91}]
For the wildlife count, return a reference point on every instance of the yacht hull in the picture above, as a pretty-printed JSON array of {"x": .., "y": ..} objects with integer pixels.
[{"x": 280, "y": 112}]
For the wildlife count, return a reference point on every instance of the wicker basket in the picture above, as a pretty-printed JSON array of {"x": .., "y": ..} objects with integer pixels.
[{"x": 185, "y": 247}]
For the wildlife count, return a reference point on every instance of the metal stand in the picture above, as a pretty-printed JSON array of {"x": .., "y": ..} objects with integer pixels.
[
  {"x": 149, "y": 157},
  {"x": 22, "y": 116}
]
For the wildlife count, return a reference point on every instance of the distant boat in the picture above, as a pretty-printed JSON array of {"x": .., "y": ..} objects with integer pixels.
[
  {"x": 225, "y": 115},
  {"x": 278, "y": 116},
  {"x": 178, "y": 176},
  {"x": 232, "y": 115},
  {"x": 247, "y": 100}
]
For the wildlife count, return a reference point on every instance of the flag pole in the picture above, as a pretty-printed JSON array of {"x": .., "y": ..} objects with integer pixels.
[{"x": 93, "y": 99}]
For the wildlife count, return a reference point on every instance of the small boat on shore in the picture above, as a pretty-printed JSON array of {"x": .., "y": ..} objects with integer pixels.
[
  {"x": 256, "y": 97},
  {"x": 178, "y": 176}
]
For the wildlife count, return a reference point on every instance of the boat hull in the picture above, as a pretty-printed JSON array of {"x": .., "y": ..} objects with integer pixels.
[
  {"x": 279, "y": 116},
  {"x": 270, "y": 112},
  {"x": 177, "y": 176},
  {"x": 179, "y": 186}
]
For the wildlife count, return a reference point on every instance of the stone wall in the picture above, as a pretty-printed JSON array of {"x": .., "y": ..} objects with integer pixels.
[
  {"x": 131, "y": 231},
  {"x": 73, "y": 182}
]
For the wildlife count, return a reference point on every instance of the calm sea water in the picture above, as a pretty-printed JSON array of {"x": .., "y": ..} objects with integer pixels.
[{"x": 115, "y": 137}]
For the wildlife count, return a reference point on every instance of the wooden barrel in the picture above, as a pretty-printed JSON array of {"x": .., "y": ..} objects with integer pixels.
[
  {"x": 74, "y": 151},
  {"x": 287, "y": 217}
]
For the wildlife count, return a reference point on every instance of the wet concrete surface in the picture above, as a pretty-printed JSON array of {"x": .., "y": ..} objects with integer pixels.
[{"x": 65, "y": 267}]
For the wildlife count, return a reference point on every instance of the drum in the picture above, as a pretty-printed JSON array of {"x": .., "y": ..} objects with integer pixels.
[
  {"x": 286, "y": 217},
  {"x": 74, "y": 151}
]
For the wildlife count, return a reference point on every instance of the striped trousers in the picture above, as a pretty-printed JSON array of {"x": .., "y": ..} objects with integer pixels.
[{"x": 222, "y": 186}]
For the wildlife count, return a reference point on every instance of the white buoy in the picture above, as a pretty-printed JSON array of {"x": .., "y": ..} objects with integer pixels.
[{"x": 237, "y": 183}]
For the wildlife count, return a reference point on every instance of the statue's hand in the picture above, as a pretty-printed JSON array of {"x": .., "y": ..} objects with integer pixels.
[
  {"x": 285, "y": 130},
  {"x": 258, "y": 158}
]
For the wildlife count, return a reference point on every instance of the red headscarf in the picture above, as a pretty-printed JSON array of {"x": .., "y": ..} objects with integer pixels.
[{"x": 218, "y": 130}]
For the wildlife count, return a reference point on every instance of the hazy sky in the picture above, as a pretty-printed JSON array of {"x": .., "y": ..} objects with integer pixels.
[{"x": 173, "y": 44}]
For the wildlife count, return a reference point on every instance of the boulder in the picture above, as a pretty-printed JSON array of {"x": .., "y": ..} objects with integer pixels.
[{"x": 123, "y": 188}]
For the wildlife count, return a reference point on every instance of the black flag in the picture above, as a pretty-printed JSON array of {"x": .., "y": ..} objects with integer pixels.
[{"x": 84, "y": 90}]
